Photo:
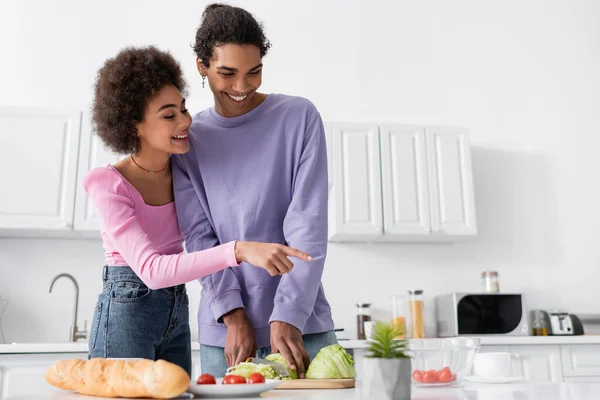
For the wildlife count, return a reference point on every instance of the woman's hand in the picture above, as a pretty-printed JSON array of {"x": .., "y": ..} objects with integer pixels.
[{"x": 270, "y": 256}]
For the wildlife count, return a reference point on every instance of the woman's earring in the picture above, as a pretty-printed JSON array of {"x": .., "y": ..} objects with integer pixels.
[{"x": 203, "y": 79}]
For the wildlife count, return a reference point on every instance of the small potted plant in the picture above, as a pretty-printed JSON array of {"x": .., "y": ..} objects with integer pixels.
[{"x": 387, "y": 366}]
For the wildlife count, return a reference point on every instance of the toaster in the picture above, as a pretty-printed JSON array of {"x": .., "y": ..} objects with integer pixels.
[{"x": 559, "y": 323}]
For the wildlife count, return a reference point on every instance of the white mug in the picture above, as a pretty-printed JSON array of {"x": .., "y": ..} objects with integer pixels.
[
  {"x": 492, "y": 365},
  {"x": 369, "y": 328}
]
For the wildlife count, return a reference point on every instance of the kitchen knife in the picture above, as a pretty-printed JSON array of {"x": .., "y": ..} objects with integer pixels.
[{"x": 279, "y": 369}]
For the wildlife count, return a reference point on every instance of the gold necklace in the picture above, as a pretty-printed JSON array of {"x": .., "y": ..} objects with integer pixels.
[{"x": 149, "y": 170}]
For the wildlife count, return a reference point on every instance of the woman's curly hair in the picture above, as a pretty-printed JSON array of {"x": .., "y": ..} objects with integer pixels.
[
  {"x": 124, "y": 85},
  {"x": 223, "y": 24}
]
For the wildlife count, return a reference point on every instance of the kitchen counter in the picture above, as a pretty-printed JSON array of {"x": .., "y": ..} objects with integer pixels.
[
  {"x": 506, "y": 341},
  {"x": 82, "y": 347},
  {"x": 549, "y": 391},
  {"x": 67, "y": 347}
]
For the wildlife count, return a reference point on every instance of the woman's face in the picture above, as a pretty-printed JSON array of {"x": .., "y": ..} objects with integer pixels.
[
  {"x": 234, "y": 75},
  {"x": 166, "y": 122}
]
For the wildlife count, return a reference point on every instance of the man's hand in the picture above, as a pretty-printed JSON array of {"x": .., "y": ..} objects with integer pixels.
[
  {"x": 239, "y": 342},
  {"x": 287, "y": 340}
]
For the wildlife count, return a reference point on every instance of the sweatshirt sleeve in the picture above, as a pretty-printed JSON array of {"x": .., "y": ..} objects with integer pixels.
[
  {"x": 114, "y": 203},
  {"x": 222, "y": 289},
  {"x": 305, "y": 228}
]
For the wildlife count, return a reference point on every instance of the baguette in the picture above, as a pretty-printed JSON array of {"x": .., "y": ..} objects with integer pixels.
[{"x": 119, "y": 378}]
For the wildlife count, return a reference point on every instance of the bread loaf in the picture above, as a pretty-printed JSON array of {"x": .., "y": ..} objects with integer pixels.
[{"x": 119, "y": 378}]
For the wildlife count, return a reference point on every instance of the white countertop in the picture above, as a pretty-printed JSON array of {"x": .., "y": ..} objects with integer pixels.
[
  {"x": 82, "y": 347},
  {"x": 506, "y": 341},
  {"x": 542, "y": 391}
]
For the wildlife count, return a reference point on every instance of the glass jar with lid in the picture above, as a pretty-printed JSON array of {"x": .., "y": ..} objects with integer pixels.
[
  {"x": 416, "y": 306},
  {"x": 363, "y": 314},
  {"x": 398, "y": 314},
  {"x": 540, "y": 326},
  {"x": 490, "y": 282}
]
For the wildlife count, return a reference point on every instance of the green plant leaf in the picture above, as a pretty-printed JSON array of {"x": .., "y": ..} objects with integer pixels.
[{"x": 383, "y": 342}]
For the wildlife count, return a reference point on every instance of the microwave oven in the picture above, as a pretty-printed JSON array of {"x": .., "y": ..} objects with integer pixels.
[{"x": 475, "y": 314}]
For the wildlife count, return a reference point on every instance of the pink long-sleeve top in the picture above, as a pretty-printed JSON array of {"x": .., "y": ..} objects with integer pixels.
[{"x": 146, "y": 238}]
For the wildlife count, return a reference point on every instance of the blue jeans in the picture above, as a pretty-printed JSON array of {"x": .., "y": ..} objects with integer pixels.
[
  {"x": 132, "y": 321},
  {"x": 212, "y": 359}
]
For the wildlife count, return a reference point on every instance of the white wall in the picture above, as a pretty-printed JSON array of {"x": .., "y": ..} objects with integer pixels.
[{"x": 522, "y": 75}]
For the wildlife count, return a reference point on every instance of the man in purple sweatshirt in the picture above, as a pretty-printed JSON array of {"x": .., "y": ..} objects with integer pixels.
[{"x": 256, "y": 171}]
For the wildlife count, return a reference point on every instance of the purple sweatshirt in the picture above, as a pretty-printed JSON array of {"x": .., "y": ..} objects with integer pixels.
[{"x": 261, "y": 176}]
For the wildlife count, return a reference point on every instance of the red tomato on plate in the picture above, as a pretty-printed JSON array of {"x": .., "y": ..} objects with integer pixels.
[
  {"x": 256, "y": 378},
  {"x": 233, "y": 380},
  {"x": 206, "y": 379}
]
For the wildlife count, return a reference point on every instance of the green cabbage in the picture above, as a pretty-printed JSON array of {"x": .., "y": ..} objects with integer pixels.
[
  {"x": 278, "y": 358},
  {"x": 332, "y": 362},
  {"x": 246, "y": 369}
]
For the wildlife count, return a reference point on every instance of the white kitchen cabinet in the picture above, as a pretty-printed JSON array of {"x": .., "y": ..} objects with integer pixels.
[
  {"x": 404, "y": 180},
  {"x": 355, "y": 196},
  {"x": 452, "y": 204},
  {"x": 582, "y": 379},
  {"x": 399, "y": 183},
  {"x": 581, "y": 360},
  {"x": 93, "y": 154},
  {"x": 23, "y": 374},
  {"x": 39, "y": 168},
  {"x": 537, "y": 363}
]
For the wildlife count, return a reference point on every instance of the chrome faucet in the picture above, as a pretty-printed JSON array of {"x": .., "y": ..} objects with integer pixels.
[{"x": 74, "y": 333}]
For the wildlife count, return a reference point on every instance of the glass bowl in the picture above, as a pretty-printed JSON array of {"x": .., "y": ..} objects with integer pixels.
[{"x": 441, "y": 362}]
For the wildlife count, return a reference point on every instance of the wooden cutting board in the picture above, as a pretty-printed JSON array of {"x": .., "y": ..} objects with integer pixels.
[{"x": 295, "y": 384}]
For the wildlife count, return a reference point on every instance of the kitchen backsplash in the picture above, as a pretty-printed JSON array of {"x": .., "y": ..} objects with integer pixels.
[{"x": 354, "y": 273}]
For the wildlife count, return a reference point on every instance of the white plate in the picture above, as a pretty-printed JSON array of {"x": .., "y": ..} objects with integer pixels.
[
  {"x": 234, "y": 390},
  {"x": 495, "y": 379}
]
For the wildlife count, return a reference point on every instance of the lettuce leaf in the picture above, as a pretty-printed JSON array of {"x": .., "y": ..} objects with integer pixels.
[
  {"x": 332, "y": 362},
  {"x": 278, "y": 358}
]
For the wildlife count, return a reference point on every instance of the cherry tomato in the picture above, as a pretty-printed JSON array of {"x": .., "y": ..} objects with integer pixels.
[
  {"x": 233, "y": 380},
  {"x": 442, "y": 370},
  {"x": 206, "y": 379},
  {"x": 444, "y": 376},
  {"x": 256, "y": 378},
  {"x": 417, "y": 375},
  {"x": 430, "y": 376}
]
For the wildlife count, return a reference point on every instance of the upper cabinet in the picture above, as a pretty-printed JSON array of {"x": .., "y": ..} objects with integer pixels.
[
  {"x": 93, "y": 154},
  {"x": 46, "y": 156},
  {"x": 452, "y": 208},
  {"x": 39, "y": 168},
  {"x": 399, "y": 183},
  {"x": 404, "y": 181},
  {"x": 356, "y": 181},
  {"x": 391, "y": 183}
]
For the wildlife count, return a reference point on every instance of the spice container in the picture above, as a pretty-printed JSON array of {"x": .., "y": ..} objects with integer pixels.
[
  {"x": 416, "y": 305},
  {"x": 363, "y": 314},
  {"x": 490, "y": 282},
  {"x": 398, "y": 318}
]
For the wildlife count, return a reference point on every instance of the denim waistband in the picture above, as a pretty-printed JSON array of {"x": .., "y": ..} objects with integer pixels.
[{"x": 118, "y": 272}]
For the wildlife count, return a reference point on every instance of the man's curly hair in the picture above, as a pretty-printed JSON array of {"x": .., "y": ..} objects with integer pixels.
[
  {"x": 124, "y": 85},
  {"x": 224, "y": 24}
]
